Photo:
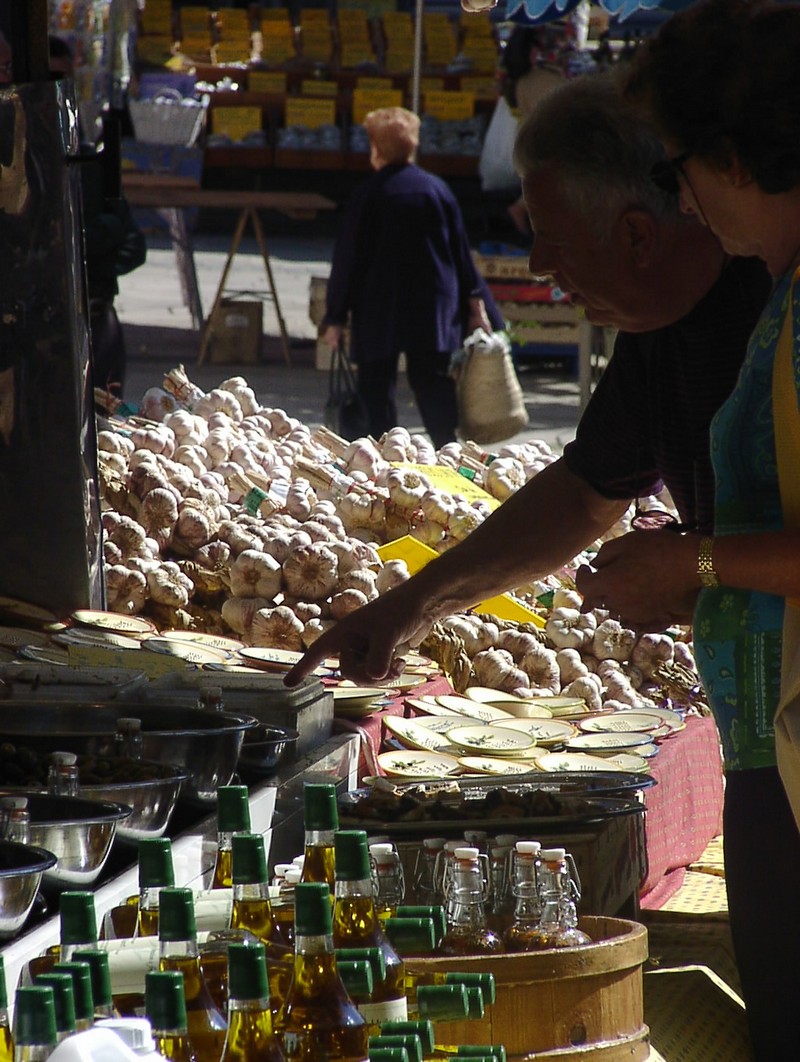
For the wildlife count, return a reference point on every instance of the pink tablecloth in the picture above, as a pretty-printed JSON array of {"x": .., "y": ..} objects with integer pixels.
[{"x": 684, "y": 810}]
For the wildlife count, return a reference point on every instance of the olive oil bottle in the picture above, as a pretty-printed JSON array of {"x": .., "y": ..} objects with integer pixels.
[
  {"x": 251, "y": 903},
  {"x": 177, "y": 934},
  {"x": 78, "y": 929},
  {"x": 6, "y": 1039},
  {"x": 321, "y": 820},
  {"x": 165, "y": 1006},
  {"x": 318, "y": 1020},
  {"x": 233, "y": 816},
  {"x": 35, "y": 1034},
  {"x": 251, "y": 1037}
]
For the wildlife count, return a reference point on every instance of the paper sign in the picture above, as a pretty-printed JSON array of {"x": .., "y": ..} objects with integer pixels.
[
  {"x": 399, "y": 59},
  {"x": 482, "y": 86},
  {"x": 374, "y": 83},
  {"x": 236, "y": 122},
  {"x": 274, "y": 14},
  {"x": 443, "y": 478},
  {"x": 311, "y": 87},
  {"x": 366, "y": 100},
  {"x": 311, "y": 113},
  {"x": 449, "y": 105},
  {"x": 431, "y": 84},
  {"x": 352, "y": 54}
]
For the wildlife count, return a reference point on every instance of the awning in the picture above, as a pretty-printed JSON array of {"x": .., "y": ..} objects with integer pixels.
[{"x": 547, "y": 10}]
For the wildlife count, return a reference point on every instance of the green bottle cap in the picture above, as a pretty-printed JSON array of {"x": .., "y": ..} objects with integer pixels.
[
  {"x": 3, "y": 986},
  {"x": 176, "y": 920},
  {"x": 442, "y": 1002},
  {"x": 78, "y": 919},
  {"x": 81, "y": 974},
  {"x": 422, "y": 1029},
  {"x": 387, "y": 1054},
  {"x": 319, "y": 806},
  {"x": 411, "y": 936},
  {"x": 356, "y": 975},
  {"x": 374, "y": 956},
  {"x": 474, "y": 1002},
  {"x": 247, "y": 971},
  {"x": 165, "y": 1001},
  {"x": 155, "y": 863},
  {"x": 483, "y": 981},
  {"x": 233, "y": 809},
  {"x": 489, "y": 1051},
  {"x": 63, "y": 999},
  {"x": 249, "y": 860},
  {"x": 312, "y": 909},
  {"x": 352, "y": 855},
  {"x": 35, "y": 1016},
  {"x": 101, "y": 975},
  {"x": 412, "y": 1044},
  {"x": 435, "y": 913}
]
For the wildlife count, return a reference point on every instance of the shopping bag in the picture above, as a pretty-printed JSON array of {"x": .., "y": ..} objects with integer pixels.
[
  {"x": 345, "y": 412},
  {"x": 491, "y": 403},
  {"x": 495, "y": 167}
]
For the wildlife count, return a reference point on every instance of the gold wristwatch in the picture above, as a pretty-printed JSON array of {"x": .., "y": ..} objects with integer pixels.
[{"x": 705, "y": 563}]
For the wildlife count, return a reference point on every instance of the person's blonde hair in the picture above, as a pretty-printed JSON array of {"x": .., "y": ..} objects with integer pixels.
[{"x": 394, "y": 132}]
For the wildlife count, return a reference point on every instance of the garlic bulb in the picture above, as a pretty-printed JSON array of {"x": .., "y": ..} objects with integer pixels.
[
  {"x": 255, "y": 574},
  {"x": 518, "y": 643},
  {"x": 393, "y": 573},
  {"x": 406, "y": 487},
  {"x": 564, "y": 598},
  {"x": 159, "y": 515},
  {"x": 156, "y": 404},
  {"x": 193, "y": 528},
  {"x": 651, "y": 651},
  {"x": 345, "y": 602},
  {"x": 504, "y": 477},
  {"x": 311, "y": 572},
  {"x": 169, "y": 586},
  {"x": 363, "y": 579},
  {"x": 219, "y": 400},
  {"x": 277, "y": 628},
  {"x": 495, "y": 668},
  {"x": 244, "y": 394},
  {"x": 587, "y": 690},
  {"x": 563, "y": 630},
  {"x": 570, "y": 665},
  {"x": 541, "y": 667},
  {"x": 612, "y": 641},
  {"x": 126, "y": 589},
  {"x": 238, "y": 612}
]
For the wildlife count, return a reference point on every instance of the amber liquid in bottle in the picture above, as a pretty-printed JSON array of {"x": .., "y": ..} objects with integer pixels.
[
  {"x": 319, "y": 859},
  {"x": 206, "y": 1025},
  {"x": 175, "y": 1047},
  {"x": 223, "y": 867},
  {"x": 250, "y": 1039},
  {"x": 252, "y": 912},
  {"x": 6, "y": 1041}
]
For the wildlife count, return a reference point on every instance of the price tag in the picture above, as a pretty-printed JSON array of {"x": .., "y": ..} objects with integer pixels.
[
  {"x": 379, "y": 83},
  {"x": 274, "y": 14},
  {"x": 450, "y": 105},
  {"x": 314, "y": 15},
  {"x": 310, "y": 112},
  {"x": 399, "y": 59},
  {"x": 317, "y": 42},
  {"x": 232, "y": 52},
  {"x": 366, "y": 100},
  {"x": 266, "y": 81},
  {"x": 431, "y": 84},
  {"x": 482, "y": 86},
  {"x": 353, "y": 54},
  {"x": 352, "y": 21},
  {"x": 157, "y": 22},
  {"x": 236, "y": 122},
  {"x": 311, "y": 87}
]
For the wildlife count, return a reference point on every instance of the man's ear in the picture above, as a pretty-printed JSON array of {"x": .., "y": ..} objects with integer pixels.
[{"x": 638, "y": 232}]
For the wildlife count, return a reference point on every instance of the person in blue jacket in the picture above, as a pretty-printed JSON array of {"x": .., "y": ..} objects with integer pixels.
[{"x": 403, "y": 271}]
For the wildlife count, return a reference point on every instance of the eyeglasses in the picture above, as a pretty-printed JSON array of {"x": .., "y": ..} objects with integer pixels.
[{"x": 664, "y": 174}]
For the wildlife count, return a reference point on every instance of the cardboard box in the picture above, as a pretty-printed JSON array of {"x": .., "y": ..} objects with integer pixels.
[{"x": 236, "y": 331}]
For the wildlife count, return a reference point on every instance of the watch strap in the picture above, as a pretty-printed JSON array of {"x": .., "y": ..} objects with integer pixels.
[{"x": 705, "y": 563}]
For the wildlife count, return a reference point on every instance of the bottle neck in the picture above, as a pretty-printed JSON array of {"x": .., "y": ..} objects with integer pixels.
[
  {"x": 465, "y": 898},
  {"x": 251, "y": 891},
  {"x": 178, "y": 949},
  {"x": 33, "y": 1052},
  {"x": 313, "y": 946},
  {"x": 242, "y": 1012}
]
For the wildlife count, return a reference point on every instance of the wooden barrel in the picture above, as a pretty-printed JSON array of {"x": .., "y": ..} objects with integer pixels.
[{"x": 581, "y": 1003}]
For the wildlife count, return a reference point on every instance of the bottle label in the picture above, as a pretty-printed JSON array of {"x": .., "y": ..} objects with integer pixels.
[
  {"x": 253, "y": 500},
  {"x": 212, "y": 909},
  {"x": 388, "y": 1010},
  {"x": 129, "y": 961}
]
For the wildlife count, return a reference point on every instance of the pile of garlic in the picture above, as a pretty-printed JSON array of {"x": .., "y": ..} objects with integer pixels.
[{"x": 221, "y": 514}]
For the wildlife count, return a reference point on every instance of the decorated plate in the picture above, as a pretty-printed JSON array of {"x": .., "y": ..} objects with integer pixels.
[
  {"x": 486, "y": 695},
  {"x": 212, "y": 641},
  {"x": 48, "y": 654},
  {"x": 494, "y": 740},
  {"x": 430, "y": 706},
  {"x": 562, "y": 707},
  {"x": 543, "y": 731},
  {"x": 439, "y": 724},
  {"x": 523, "y": 709},
  {"x": 413, "y": 736},
  {"x": 404, "y": 682},
  {"x": 188, "y": 651},
  {"x": 494, "y": 765},
  {"x": 114, "y": 621},
  {"x": 17, "y": 637},
  {"x": 411, "y": 764},
  {"x": 96, "y": 637},
  {"x": 673, "y": 720},
  {"x": 24, "y": 610},
  {"x": 354, "y": 702},
  {"x": 629, "y": 761},
  {"x": 608, "y": 744},
  {"x": 572, "y": 761},
  {"x": 486, "y": 713},
  {"x": 619, "y": 723},
  {"x": 270, "y": 659}
]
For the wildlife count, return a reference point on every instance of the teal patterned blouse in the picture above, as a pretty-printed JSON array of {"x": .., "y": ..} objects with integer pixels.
[{"x": 737, "y": 633}]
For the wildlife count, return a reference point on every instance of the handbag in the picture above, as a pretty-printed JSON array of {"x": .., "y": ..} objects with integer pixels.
[
  {"x": 491, "y": 403},
  {"x": 345, "y": 412},
  {"x": 787, "y": 447}
]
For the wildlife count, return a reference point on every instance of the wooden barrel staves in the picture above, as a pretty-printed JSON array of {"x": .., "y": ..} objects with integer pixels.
[{"x": 573, "y": 1004}]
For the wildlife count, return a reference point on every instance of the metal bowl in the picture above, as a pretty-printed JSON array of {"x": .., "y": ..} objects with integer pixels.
[
  {"x": 266, "y": 748},
  {"x": 205, "y": 744},
  {"x": 21, "y": 870},
  {"x": 77, "y": 831},
  {"x": 152, "y": 800}
]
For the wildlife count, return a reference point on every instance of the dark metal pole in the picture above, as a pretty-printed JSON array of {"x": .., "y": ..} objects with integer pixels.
[{"x": 24, "y": 24}]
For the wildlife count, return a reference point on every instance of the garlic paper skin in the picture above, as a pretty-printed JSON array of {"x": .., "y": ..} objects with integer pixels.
[
  {"x": 311, "y": 572},
  {"x": 277, "y": 628},
  {"x": 255, "y": 574}
]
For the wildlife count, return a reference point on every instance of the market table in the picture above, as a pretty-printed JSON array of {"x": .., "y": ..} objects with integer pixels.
[
  {"x": 171, "y": 197},
  {"x": 684, "y": 808}
]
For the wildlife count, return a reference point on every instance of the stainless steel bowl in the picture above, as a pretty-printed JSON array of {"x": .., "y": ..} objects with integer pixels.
[
  {"x": 266, "y": 748},
  {"x": 78, "y": 832},
  {"x": 152, "y": 801},
  {"x": 21, "y": 870},
  {"x": 206, "y": 744}
]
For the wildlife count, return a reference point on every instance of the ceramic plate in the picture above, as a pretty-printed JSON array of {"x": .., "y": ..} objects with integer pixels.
[
  {"x": 24, "y": 610},
  {"x": 491, "y": 765},
  {"x": 486, "y": 713},
  {"x": 413, "y": 736},
  {"x": 522, "y": 709},
  {"x": 562, "y": 707},
  {"x": 410, "y": 764},
  {"x": 188, "y": 651},
  {"x": 493, "y": 740},
  {"x": 429, "y": 706},
  {"x": 49, "y": 654},
  {"x": 353, "y": 702},
  {"x": 543, "y": 731},
  {"x": 607, "y": 744},
  {"x": 114, "y": 621},
  {"x": 619, "y": 723},
  {"x": 213, "y": 641},
  {"x": 96, "y": 637},
  {"x": 439, "y": 724},
  {"x": 572, "y": 761},
  {"x": 16, "y": 637},
  {"x": 269, "y": 659},
  {"x": 486, "y": 695},
  {"x": 628, "y": 761},
  {"x": 673, "y": 720},
  {"x": 404, "y": 682}
]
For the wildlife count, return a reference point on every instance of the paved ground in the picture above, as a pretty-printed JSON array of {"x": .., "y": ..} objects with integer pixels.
[{"x": 159, "y": 334}]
